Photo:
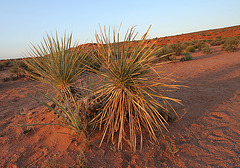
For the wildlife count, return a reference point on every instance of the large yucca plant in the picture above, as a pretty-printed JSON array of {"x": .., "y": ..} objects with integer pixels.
[
  {"x": 57, "y": 61},
  {"x": 132, "y": 88}
]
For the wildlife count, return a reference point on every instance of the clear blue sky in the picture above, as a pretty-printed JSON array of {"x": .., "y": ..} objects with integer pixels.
[{"x": 25, "y": 21}]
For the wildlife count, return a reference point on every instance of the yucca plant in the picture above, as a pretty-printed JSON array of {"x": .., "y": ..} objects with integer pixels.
[
  {"x": 131, "y": 88},
  {"x": 57, "y": 62},
  {"x": 72, "y": 114}
]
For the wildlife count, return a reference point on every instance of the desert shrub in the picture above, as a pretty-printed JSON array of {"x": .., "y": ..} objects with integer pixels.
[
  {"x": 1, "y": 66},
  {"x": 130, "y": 88},
  {"x": 57, "y": 62},
  {"x": 198, "y": 44},
  {"x": 186, "y": 44},
  {"x": 205, "y": 49},
  {"x": 230, "y": 44},
  {"x": 164, "y": 51},
  {"x": 187, "y": 57},
  {"x": 177, "y": 49},
  {"x": 190, "y": 49}
]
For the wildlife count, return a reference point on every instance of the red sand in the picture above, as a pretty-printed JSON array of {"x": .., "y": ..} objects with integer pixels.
[{"x": 208, "y": 135}]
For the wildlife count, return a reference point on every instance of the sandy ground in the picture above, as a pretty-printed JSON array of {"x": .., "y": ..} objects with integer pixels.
[{"x": 208, "y": 134}]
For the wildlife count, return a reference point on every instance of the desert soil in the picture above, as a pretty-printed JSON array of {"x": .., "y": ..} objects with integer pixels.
[{"x": 207, "y": 135}]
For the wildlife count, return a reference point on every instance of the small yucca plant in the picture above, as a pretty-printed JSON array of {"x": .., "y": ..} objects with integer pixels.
[
  {"x": 72, "y": 115},
  {"x": 57, "y": 62},
  {"x": 131, "y": 88}
]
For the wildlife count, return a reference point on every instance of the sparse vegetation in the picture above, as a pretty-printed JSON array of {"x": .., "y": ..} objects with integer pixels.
[
  {"x": 190, "y": 49},
  {"x": 230, "y": 44},
  {"x": 130, "y": 89}
]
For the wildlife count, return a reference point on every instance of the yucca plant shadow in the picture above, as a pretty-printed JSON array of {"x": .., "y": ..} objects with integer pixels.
[{"x": 130, "y": 89}]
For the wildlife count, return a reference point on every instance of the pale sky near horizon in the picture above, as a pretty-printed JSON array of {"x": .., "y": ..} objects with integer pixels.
[{"x": 27, "y": 21}]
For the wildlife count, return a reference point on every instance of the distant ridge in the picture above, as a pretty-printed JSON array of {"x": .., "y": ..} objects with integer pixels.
[{"x": 199, "y": 35}]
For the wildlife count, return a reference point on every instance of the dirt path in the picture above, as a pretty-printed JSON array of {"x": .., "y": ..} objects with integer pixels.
[{"x": 208, "y": 135}]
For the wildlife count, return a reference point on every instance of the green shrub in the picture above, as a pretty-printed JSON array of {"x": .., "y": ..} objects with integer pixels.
[
  {"x": 230, "y": 44},
  {"x": 177, "y": 49},
  {"x": 188, "y": 56},
  {"x": 131, "y": 86},
  {"x": 190, "y": 49}
]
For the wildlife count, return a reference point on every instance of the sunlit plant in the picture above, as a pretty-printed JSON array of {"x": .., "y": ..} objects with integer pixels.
[
  {"x": 56, "y": 61},
  {"x": 132, "y": 88}
]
